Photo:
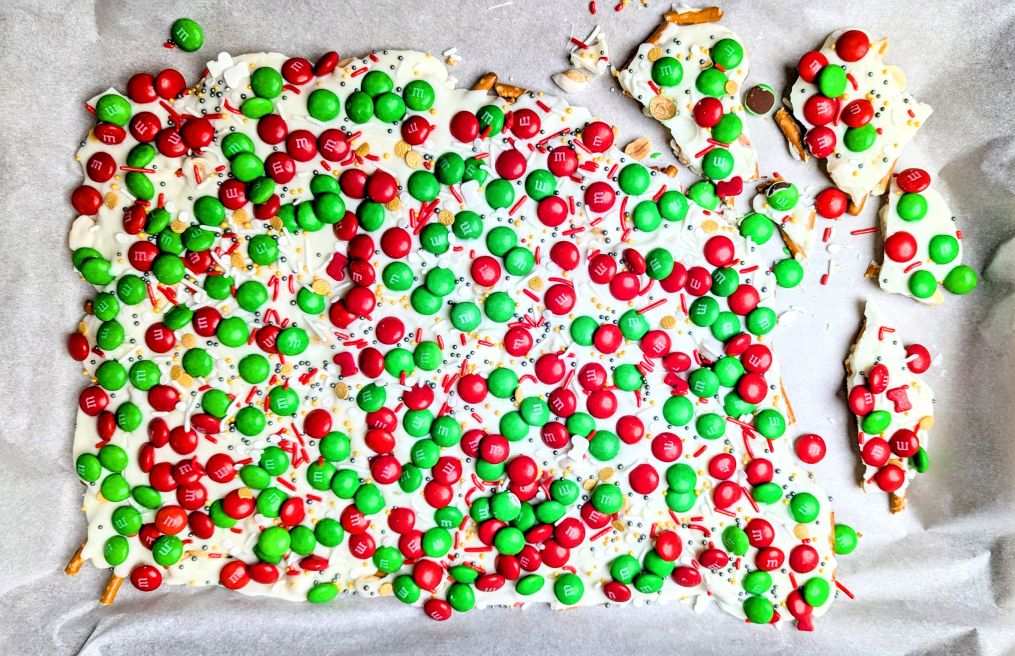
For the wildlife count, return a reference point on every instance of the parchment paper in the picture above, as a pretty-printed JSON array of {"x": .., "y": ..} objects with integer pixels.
[{"x": 938, "y": 579}]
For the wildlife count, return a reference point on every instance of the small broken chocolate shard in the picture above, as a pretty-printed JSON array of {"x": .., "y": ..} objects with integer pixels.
[{"x": 759, "y": 99}]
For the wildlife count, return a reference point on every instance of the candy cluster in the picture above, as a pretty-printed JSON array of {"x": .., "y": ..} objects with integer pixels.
[
  {"x": 358, "y": 331},
  {"x": 855, "y": 111}
]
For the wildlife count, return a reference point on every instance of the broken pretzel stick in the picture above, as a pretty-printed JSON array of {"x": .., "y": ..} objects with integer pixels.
[
  {"x": 76, "y": 561},
  {"x": 485, "y": 83},
  {"x": 509, "y": 91},
  {"x": 112, "y": 587},
  {"x": 791, "y": 131},
  {"x": 692, "y": 17}
]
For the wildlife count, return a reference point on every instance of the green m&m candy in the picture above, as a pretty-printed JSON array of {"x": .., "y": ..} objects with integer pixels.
[
  {"x": 376, "y": 83},
  {"x": 529, "y": 584},
  {"x": 112, "y": 108},
  {"x": 757, "y": 582},
  {"x": 568, "y": 588},
  {"x": 673, "y": 206},
  {"x": 428, "y": 356},
  {"x": 235, "y": 143},
  {"x": 139, "y": 157},
  {"x": 398, "y": 361},
  {"x": 127, "y": 520},
  {"x": 540, "y": 184},
  {"x": 717, "y": 164},
  {"x": 788, "y": 272},
  {"x": 371, "y": 398},
  {"x": 761, "y": 320},
  {"x": 467, "y": 225},
  {"x": 292, "y": 341},
  {"x": 359, "y": 106},
  {"x": 580, "y": 423},
  {"x": 607, "y": 498},
  {"x": 680, "y": 501},
  {"x": 266, "y": 82},
  {"x": 646, "y": 216},
  {"x": 405, "y": 589},
  {"x": 770, "y": 423},
  {"x": 667, "y": 72},
  {"x": 465, "y": 316},
  {"x": 499, "y": 307},
  {"x": 703, "y": 383},
  {"x": 283, "y": 402},
  {"x": 109, "y": 335},
  {"x": 728, "y": 129},
  {"x": 216, "y": 403},
  {"x": 727, "y": 54},
  {"x": 845, "y": 539},
  {"x": 115, "y": 550},
  {"x": 758, "y": 610},
  {"x": 678, "y": 410},
  {"x": 111, "y": 375},
  {"x": 627, "y": 377},
  {"x": 519, "y": 261},
  {"x": 321, "y": 593},
  {"x": 335, "y": 446},
  {"x": 345, "y": 483},
  {"x": 860, "y": 139},
  {"x": 115, "y": 487},
  {"x": 461, "y": 597},
  {"x": 88, "y": 467},
  {"x": 634, "y": 179},
  {"x": 513, "y": 426},
  {"x": 648, "y": 583},
  {"x": 186, "y": 34},
  {"x": 703, "y": 311},
  {"x": 250, "y": 421},
  {"x": 329, "y": 532},
  {"x": 389, "y": 108},
  {"x": 274, "y": 541},
  {"x": 922, "y": 284},
  {"x": 397, "y": 276},
  {"x": 943, "y": 248},
  {"x": 418, "y": 95},
  {"x": 302, "y": 540},
  {"x": 624, "y": 568},
  {"x": 323, "y": 105},
  {"x": 449, "y": 168},
  {"x": 876, "y": 422},
  {"x": 633, "y": 326},
  {"x": 491, "y": 120},
  {"x": 167, "y": 550},
  {"x": 197, "y": 362},
  {"x": 711, "y": 82},
  {"x": 816, "y": 591},
  {"x": 735, "y": 540},
  {"x": 168, "y": 269},
  {"x": 703, "y": 194},
  {"x": 310, "y": 301},
  {"x": 710, "y": 426},
  {"x": 502, "y": 382},
  {"x": 500, "y": 194},
  {"x": 128, "y": 416},
  {"x": 604, "y": 445},
  {"x": 139, "y": 185},
  {"x": 766, "y": 493},
  {"x": 583, "y": 329},
  {"x": 500, "y": 240},
  {"x": 804, "y": 507},
  {"x": 509, "y": 541},
  {"x": 368, "y": 499},
  {"x": 832, "y": 81},
  {"x": 725, "y": 281},
  {"x": 783, "y": 196},
  {"x": 254, "y": 368},
  {"x": 960, "y": 280},
  {"x": 434, "y": 239},
  {"x": 564, "y": 491},
  {"x": 251, "y": 295}
]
